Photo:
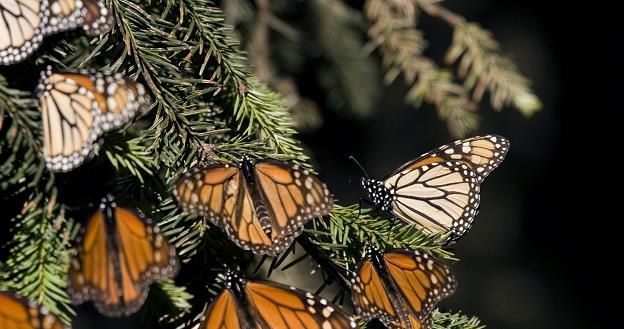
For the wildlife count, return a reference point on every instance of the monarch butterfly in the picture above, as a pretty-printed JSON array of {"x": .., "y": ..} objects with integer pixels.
[
  {"x": 78, "y": 107},
  {"x": 119, "y": 256},
  {"x": 19, "y": 313},
  {"x": 400, "y": 287},
  {"x": 439, "y": 191},
  {"x": 259, "y": 304},
  {"x": 24, "y": 23},
  {"x": 262, "y": 206}
]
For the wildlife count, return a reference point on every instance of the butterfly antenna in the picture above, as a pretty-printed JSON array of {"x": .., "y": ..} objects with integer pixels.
[{"x": 351, "y": 157}]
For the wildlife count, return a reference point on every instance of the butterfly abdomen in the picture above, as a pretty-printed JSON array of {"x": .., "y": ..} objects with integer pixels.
[{"x": 247, "y": 167}]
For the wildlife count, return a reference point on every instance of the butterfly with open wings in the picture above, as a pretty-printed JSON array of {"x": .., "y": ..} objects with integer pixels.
[{"x": 261, "y": 205}]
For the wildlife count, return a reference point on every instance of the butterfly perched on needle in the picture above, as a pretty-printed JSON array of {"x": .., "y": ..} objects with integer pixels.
[
  {"x": 77, "y": 108},
  {"x": 119, "y": 256},
  {"x": 439, "y": 191},
  {"x": 261, "y": 205},
  {"x": 24, "y": 23},
  {"x": 259, "y": 304},
  {"x": 400, "y": 287},
  {"x": 19, "y": 313}
]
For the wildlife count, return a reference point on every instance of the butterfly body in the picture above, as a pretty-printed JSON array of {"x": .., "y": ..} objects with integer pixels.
[
  {"x": 380, "y": 196},
  {"x": 259, "y": 304},
  {"x": 119, "y": 256},
  {"x": 247, "y": 168},
  {"x": 261, "y": 205},
  {"x": 400, "y": 287},
  {"x": 440, "y": 190}
]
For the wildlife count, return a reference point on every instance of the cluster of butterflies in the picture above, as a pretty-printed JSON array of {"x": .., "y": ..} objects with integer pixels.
[{"x": 262, "y": 205}]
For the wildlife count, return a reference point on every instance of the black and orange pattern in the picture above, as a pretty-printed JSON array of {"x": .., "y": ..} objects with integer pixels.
[
  {"x": 262, "y": 206},
  {"x": 119, "y": 256},
  {"x": 245, "y": 304},
  {"x": 400, "y": 287}
]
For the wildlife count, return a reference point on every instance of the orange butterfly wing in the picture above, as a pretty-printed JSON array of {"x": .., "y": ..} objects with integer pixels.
[
  {"x": 282, "y": 307},
  {"x": 293, "y": 195},
  {"x": 224, "y": 313},
  {"x": 116, "y": 271},
  {"x": 204, "y": 191},
  {"x": 219, "y": 193},
  {"x": 373, "y": 299},
  {"x": 17, "y": 313},
  {"x": 420, "y": 280},
  {"x": 91, "y": 276},
  {"x": 482, "y": 154}
]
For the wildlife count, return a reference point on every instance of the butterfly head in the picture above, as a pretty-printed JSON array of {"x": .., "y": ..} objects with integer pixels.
[
  {"x": 380, "y": 196},
  {"x": 246, "y": 165}
]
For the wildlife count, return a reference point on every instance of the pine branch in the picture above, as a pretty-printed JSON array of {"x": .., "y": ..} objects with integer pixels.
[
  {"x": 482, "y": 63},
  {"x": 39, "y": 255},
  {"x": 176, "y": 306},
  {"x": 350, "y": 76},
  {"x": 21, "y": 145},
  {"x": 442, "y": 320},
  {"x": 349, "y": 227},
  {"x": 393, "y": 31}
]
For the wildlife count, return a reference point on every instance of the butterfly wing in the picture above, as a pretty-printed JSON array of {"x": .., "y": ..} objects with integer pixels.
[
  {"x": 96, "y": 18},
  {"x": 143, "y": 257},
  {"x": 374, "y": 299},
  {"x": 421, "y": 281},
  {"x": 242, "y": 223},
  {"x": 24, "y": 23},
  {"x": 77, "y": 108},
  {"x": 20, "y": 29},
  {"x": 225, "y": 312},
  {"x": 115, "y": 271},
  {"x": 204, "y": 190},
  {"x": 16, "y": 312},
  {"x": 92, "y": 272},
  {"x": 482, "y": 154},
  {"x": 220, "y": 193},
  {"x": 440, "y": 190},
  {"x": 293, "y": 196},
  {"x": 282, "y": 307}
]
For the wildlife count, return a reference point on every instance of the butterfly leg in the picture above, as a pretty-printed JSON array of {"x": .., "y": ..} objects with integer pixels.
[{"x": 392, "y": 224}]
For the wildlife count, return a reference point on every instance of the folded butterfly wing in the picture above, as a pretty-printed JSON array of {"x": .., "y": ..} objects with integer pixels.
[
  {"x": 283, "y": 307},
  {"x": 420, "y": 280},
  {"x": 20, "y": 29},
  {"x": 293, "y": 197},
  {"x": 115, "y": 271},
  {"x": 225, "y": 312},
  {"x": 374, "y": 299}
]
